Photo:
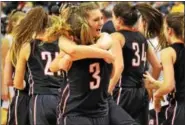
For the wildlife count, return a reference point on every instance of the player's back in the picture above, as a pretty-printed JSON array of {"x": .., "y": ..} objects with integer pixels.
[
  {"x": 88, "y": 84},
  {"x": 130, "y": 93},
  {"x": 179, "y": 70},
  {"x": 41, "y": 79},
  {"x": 134, "y": 52}
]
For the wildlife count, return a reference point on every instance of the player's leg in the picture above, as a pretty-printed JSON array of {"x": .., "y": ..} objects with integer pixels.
[
  {"x": 175, "y": 114},
  {"x": 101, "y": 120},
  {"x": 118, "y": 116},
  {"x": 43, "y": 109},
  {"x": 75, "y": 120},
  {"x": 135, "y": 102},
  {"x": 23, "y": 109}
]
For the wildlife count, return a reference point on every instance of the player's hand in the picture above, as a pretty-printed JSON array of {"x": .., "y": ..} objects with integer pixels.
[
  {"x": 4, "y": 94},
  {"x": 110, "y": 89},
  {"x": 65, "y": 62},
  {"x": 157, "y": 103},
  {"x": 150, "y": 94},
  {"x": 150, "y": 82},
  {"x": 148, "y": 77},
  {"x": 149, "y": 85}
]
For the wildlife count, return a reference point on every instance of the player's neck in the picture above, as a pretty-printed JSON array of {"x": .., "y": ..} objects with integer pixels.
[
  {"x": 44, "y": 38},
  {"x": 127, "y": 28},
  {"x": 174, "y": 39}
]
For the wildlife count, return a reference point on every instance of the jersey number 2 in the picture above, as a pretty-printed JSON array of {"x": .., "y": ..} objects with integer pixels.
[{"x": 95, "y": 69}]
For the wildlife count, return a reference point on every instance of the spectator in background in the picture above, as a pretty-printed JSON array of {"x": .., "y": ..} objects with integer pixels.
[
  {"x": 27, "y": 6},
  {"x": 107, "y": 17},
  {"x": 177, "y": 7},
  {"x": 54, "y": 10},
  {"x": 9, "y": 6},
  {"x": 51, "y": 4},
  {"x": 3, "y": 25},
  {"x": 164, "y": 7}
]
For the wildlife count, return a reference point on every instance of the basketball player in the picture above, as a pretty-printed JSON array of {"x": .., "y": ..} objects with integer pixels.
[
  {"x": 18, "y": 112},
  {"x": 133, "y": 57},
  {"x": 85, "y": 115},
  {"x": 13, "y": 20},
  {"x": 150, "y": 25},
  {"x": 18, "y": 109},
  {"x": 37, "y": 45},
  {"x": 35, "y": 55},
  {"x": 172, "y": 59}
]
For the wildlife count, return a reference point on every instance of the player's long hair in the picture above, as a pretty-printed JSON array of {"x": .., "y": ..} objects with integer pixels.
[
  {"x": 77, "y": 19},
  {"x": 176, "y": 22},
  {"x": 127, "y": 12},
  {"x": 58, "y": 27},
  {"x": 153, "y": 18},
  {"x": 13, "y": 18},
  {"x": 35, "y": 22}
]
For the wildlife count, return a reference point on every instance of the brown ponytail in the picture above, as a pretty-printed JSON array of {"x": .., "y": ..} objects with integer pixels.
[{"x": 35, "y": 22}]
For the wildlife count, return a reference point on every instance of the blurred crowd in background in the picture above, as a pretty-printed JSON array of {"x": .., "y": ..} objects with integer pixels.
[{"x": 53, "y": 8}]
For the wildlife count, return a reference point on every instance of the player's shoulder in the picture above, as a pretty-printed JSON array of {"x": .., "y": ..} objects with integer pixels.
[
  {"x": 168, "y": 54},
  {"x": 167, "y": 51},
  {"x": 118, "y": 36}
]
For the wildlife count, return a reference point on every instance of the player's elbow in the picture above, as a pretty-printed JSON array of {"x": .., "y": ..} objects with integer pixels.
[
  {"x": 119, "y": 70},
  {"x": 121, "y": 67},
  {"x": 168, "y": 88},
  {"x": 157, "y": 67},
  {"x": 72, "y": 51}
]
